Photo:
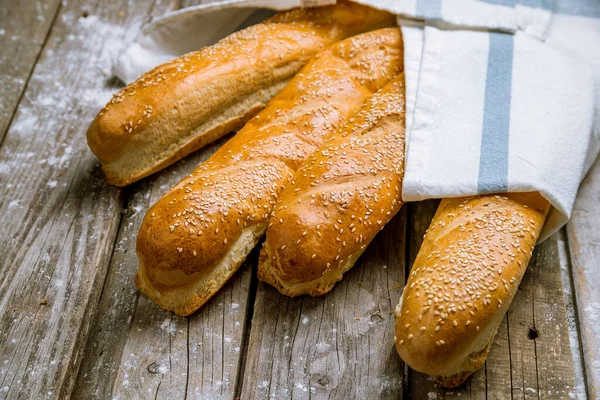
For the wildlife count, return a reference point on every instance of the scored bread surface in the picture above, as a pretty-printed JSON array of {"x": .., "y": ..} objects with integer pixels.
[
  {"x": 464, "y": 277},
  {"x": 182, "y": 105},
  {"x": 339, "y": 199},
  {"x": 200, "y": 232}
]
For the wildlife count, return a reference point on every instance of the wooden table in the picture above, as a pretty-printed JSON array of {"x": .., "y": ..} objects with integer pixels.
[{"x": 73, "y": 323}]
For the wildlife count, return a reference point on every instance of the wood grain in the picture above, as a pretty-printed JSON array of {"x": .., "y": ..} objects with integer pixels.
[
  {"x": 102, "y": 352},
  {"x": 59, "y": 219},
  {"x": 24, "y": 29},
  {"x": 584, "y": 244},
  {"x": 555, "y": 376},
  {"x": 337, "y": 346},
  {"x": 137, "y": 350},
  {"x": 63, "y": 228}
]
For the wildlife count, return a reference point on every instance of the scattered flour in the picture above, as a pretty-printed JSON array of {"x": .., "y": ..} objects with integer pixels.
[
  {"x": 323, "y": 347},
  {"x": 301, "y": 386},
  {"x": 592, "y": 312},
  {"x": 163, "y": 369},
  {"x": 136, "y": 210},
  {"x": 169, "y": 326}
]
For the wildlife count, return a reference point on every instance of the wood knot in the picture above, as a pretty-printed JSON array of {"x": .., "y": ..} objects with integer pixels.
[
  {"x": 322, "y": 380},
  {"x": 154, "y": 368},
  {"x": 533, "y": 333},
  {"x": 376, "y": 318}
]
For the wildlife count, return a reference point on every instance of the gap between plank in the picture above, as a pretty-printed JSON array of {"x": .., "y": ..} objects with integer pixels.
[
  {"x": 247, "y": 323},
  {"x": 84, "y": 330},
  {"x": 572, "y": 314},
  {"x": 510, "y": 369},
  {"x": 126, "y": 196}
]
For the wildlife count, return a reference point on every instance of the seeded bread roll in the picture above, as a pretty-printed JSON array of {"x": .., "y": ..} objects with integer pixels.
[
  {"x": 200, "y": 232},
  {"x": 466, "y": 274},
  {"x": 182, "y": 105},
  {"x": 338, "y": 200}
]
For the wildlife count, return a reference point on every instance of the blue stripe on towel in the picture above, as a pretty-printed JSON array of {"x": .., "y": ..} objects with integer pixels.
[
  {"x": 543, "y": 4},
  {"x": 581, "y": 8},
  {"x": 429, "y": 9},
  {"x": 508, "y": 3},
  {"x": 493, "y": 162}
]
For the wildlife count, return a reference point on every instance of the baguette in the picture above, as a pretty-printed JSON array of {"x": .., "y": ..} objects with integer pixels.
[
  {"x": 182, "y": 105},
  {"x": 338, "y": 200},
  {"x": 463, "y": 280},
  {"x": 195, "y": 237}
]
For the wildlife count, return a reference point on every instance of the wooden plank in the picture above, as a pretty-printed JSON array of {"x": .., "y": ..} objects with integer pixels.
[
  {"x": 115, "y": 309},
  {"x": 166, "y": 356},
  {"x": 517, "y": 366},
  {"x": 523, "y": 372},
  {"x": 137, "y": 350},
  {"x": 571, "y": 308},
  {"x": 584, "y": 248},
  {"x": 59, "y": 218},
  {"x": 556, "y": 379},
  {"x": 337, "y": 346},
  {"x": 23, "y": 32}
]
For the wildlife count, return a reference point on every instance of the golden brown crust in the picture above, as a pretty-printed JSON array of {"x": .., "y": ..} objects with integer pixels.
[
  {"x": 199, "y": 233},
  {"x": 181, "y": 105},
  {"x": 338, "y": 200},
  {"x": 463, "y": 280}
]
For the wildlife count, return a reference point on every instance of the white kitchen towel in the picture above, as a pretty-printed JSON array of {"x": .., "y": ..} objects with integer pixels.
[
  {"x": 515, "y": 107},
  {"x": 497, "y": 112},
  {"x": 192, "y": 28}
]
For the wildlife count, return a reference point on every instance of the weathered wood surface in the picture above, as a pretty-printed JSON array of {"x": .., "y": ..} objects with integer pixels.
[
  {"x": 24, "y": 27},
  {"x": 155, "y": 356},
  {"x": 59, "y": 218},
  {"x": 339, "y": 346},
  {"x": 72, "y": 322},
  {"x": 584, "y": 244},
  {"x": 137, "y": 350}
]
